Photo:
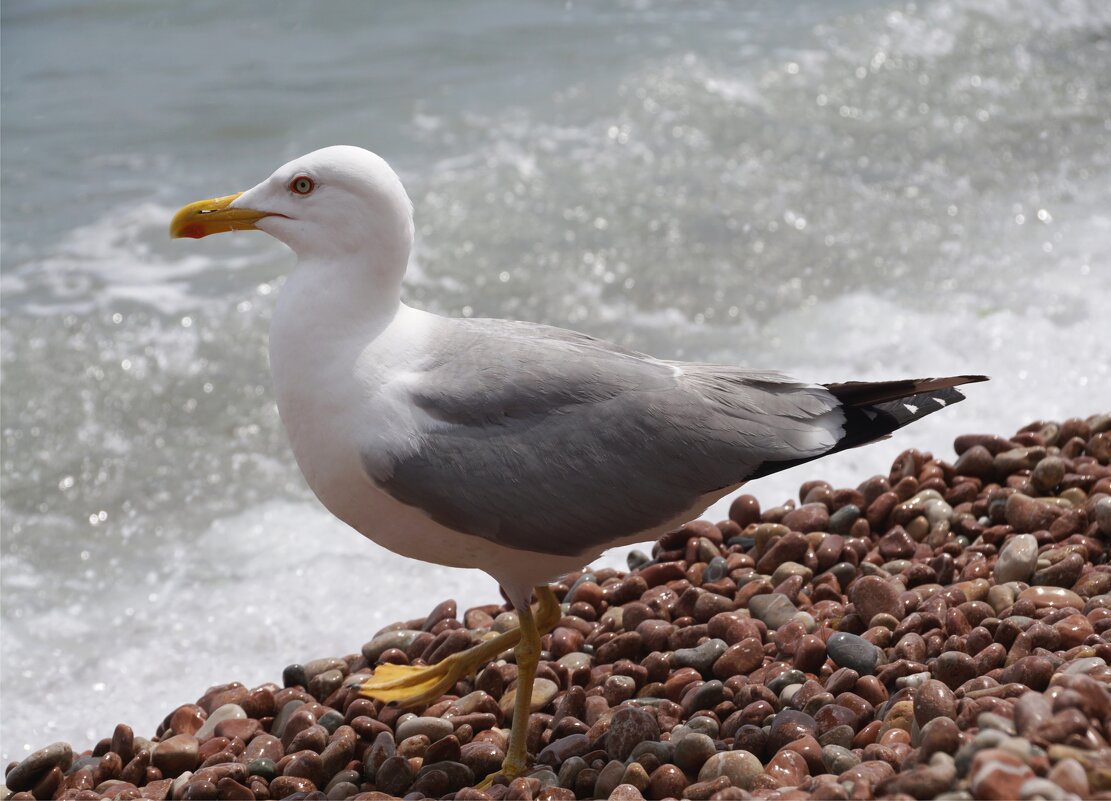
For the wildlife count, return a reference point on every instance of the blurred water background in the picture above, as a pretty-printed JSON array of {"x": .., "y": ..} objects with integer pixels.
[{"x": 849, "y": 189}]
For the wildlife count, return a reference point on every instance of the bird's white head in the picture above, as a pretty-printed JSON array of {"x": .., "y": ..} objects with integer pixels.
[{"x": 337, "y": 204}]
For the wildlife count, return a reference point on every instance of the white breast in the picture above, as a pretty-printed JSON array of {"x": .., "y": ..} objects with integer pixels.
[{"x": 338, "y": 379}]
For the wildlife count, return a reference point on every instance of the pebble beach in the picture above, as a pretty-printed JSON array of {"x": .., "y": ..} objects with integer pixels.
[{"x": 937, "y": 632}]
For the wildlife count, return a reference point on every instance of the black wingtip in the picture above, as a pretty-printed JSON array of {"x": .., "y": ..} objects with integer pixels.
[
  {"x": 861, "y": 393},
  {"x": 875, "y": 409}
]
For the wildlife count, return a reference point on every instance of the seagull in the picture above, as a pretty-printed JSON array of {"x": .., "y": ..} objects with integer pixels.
[{"x": 519, "y": 449}]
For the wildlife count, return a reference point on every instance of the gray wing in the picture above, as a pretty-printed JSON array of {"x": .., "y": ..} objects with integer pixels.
[{"x": 555, "y": 442}]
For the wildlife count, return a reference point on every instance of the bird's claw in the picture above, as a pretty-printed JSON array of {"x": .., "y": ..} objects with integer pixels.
[
  {"x": 509, "y": 770},
  {"x": 408, "y": 685}
]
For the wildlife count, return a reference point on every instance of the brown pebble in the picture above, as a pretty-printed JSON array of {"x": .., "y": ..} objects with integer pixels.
[
  {"x": 744, "y": 510},
  {"x": 666, "y": 781},
  {"x": 176, "y": 755},
  {"x": 187, "y": 719},
  {"x": 740, "y": 659},
  {"x": 288, "y": 785},
  {"x": 997, "y": 775},
  {"x": 934, "y": 699}
]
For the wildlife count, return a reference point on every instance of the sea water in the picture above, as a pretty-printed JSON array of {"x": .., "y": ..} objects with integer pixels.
[{"x": 839, "y": 190}]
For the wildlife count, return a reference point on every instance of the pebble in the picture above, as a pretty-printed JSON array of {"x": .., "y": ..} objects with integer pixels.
[
  {"x": 854, "y": 652},
  {"x": 940, "y": 735},
  {"x": 666, "y": 781},
  {"x": 692, "y": 751},
  {"x": 997, "y": 775},
  {"x": 872, "y": 595},
  {"x": 1101, "y": 515},
  {"x": 629, "y": 726},
  {"x": 543, "y": 692},
  {"x": 808, "y": 517},
  {"x": 739, "y": 767},
  {"x": 838, "y": 759},
  {"x": 1055, "y": 597},
  {"x": 775, "y": 610},
  {"x": 225, "y": 712},
  {"x": 176, "y": 755},
  {"x": 1027, "y": 514},
  {"x": 702, "y": 657},
  {"x": 432, "y": 728},
  {"x": 960, "y": 605},
  {"x": 1017, "y": 559},
  {"x": 25, "y": 774},
  {"x": 934, "y": 699},
  {"x": 954, "y": 668},
  {"x": 740, "y": 659}
]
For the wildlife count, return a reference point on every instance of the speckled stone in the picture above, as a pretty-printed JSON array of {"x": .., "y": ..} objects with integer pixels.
[
  {"x": 740, "y": 767},
  {"x": 1027, "y": 514},
  {"x": 666, "y": 781},
  {"x": 934, "y": 699},
  {"x": 872, "y": 595},
  {"x": 954, "y": 668},
  {"x": 740, "y": 659},
  {"x": 630, "y": 726},
  {"x": 789, "y": 725},
  {"x": 787, "y": 769}
]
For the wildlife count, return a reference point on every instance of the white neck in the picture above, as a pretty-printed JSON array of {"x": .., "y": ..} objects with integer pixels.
[{"x": 344, "y": 294}]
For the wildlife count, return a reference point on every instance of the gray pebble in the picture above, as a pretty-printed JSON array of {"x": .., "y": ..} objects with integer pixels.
[
  {"x": 701, "y": 658},
  {"x": 852, "y": 651},
  {"x": 785, "y": 679},
  {"x": 432, "y": 728},
  {"x": 774, "y": 609},
  {"x": 1038, "y": 789},
  {"x": 225, "y": 712},
  {"x": 1102, "y": 515},
  {"x": 569, "y": 771},
  {"x": 692, "y": 751},
  {"x": 838, "y": 759},
  {"x": 664, "y": 752},
  {"x": 399, "y": 638},
  {"x": 740, "y": 767},
  {"x": 331, "y": 720},
  {"x": 715, "y": 570}
]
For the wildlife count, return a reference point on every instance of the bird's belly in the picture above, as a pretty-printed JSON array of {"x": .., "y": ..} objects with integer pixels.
[{"x": 326, "y": 452}]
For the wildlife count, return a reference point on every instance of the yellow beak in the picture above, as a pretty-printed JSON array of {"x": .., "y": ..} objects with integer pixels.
[{"x": 212, "y": 217}]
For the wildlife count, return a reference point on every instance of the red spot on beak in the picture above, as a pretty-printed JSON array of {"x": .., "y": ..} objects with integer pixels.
[{"x": 195, "y": 231}]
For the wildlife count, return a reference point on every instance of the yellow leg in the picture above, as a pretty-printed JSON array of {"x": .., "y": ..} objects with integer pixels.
[
  {"x": 528, "y": 657},
  {"x": 414, "y": 686}
]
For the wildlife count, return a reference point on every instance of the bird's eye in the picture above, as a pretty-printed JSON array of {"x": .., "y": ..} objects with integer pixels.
[{"x": 301, "y": 185}]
